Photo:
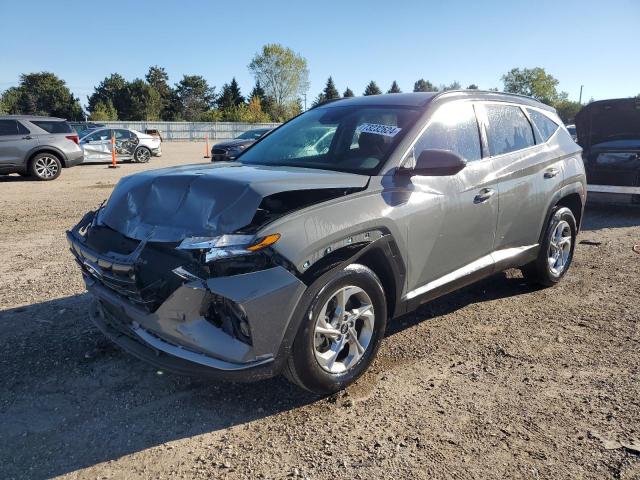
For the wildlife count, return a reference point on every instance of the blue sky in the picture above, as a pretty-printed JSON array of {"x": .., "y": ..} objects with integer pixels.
[{"x": 590, "y": 43}]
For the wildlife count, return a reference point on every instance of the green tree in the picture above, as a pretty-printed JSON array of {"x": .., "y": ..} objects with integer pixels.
[
  {"x": 473, "y": 86},
  {"x": 230, "y": 96},
  {"x": 455, "y": 85},
  {"x": 567, "y": 110},
  {"x": 283, "y": 74},
  {"x": 532, "y": 82},
  {"x": 372, "y": 89},
  {"x": 423, "y": 85},
  {"x": 103, "y": 112},
  {"x": 157, "y": 77},
  {"x": 348, "y": 93},
  {"x": 144, "y": 102},
  {"x": 395, "y": 88},
  {"x": 42, "y": 93},
  {"x": 330, "y": 91},
  {"x": 113, "y": 88},
  {"x": 194, "y": 97},
  {"x": 9, "y": 99}
]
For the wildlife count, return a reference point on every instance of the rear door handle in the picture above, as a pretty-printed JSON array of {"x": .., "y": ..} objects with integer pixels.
[
  {"x": 28, "y": 137},
  {"x": 484, "y": 195},
  {"x": 552, "y": 172}
]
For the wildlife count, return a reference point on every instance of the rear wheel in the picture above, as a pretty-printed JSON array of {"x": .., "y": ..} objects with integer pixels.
[
  {"x": 142, "y": 155},
  {"x": 556, "y": 250},
  {"x": 45, "y": 166},
  {"x": 341, "y": 332}
]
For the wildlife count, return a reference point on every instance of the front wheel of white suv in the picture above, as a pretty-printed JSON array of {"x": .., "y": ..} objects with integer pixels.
[
  {"x": 341, "y": 332},
  {"x": 556, "y": 249}
]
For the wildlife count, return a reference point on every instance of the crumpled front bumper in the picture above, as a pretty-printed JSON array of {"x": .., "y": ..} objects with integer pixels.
[{"x": 180, "y": 335}]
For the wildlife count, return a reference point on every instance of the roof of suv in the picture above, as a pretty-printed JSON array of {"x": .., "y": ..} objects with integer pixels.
[
  {"x": 420, "y": 99},
  {"x": 30, "y": 117}
]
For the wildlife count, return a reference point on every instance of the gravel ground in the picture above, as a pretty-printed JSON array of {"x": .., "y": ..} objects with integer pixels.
[{"x": 499, "y": 380}]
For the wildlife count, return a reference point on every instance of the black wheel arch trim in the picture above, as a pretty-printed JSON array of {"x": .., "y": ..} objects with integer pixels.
[
  {"x": 47, "y": 149},
  {"x": 384, "y": 247}
]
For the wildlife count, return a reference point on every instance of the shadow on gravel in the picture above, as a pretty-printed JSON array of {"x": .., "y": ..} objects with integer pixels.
[
  {"x": 598, "y": 216},
  {"x": 500, "y": 285},
  {"x": 70, "y": 399},
  {"x": 15, "y": 178}
]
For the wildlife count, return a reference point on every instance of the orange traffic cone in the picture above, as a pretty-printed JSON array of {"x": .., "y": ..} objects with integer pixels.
[
  {"x": 114, "y": 163},
  {"x": 206, "y": 146}
]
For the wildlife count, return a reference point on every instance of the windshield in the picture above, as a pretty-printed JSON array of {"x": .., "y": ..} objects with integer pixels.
[
  {"x": 251, "y": 135},
  {"x": 355, "y": 139}
]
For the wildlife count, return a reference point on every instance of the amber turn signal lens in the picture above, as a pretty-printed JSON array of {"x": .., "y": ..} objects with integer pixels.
[{"x": 264, "y": 242}]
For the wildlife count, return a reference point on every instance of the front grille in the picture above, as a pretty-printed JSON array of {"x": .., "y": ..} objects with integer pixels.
[{"x": 139, "y": 271}]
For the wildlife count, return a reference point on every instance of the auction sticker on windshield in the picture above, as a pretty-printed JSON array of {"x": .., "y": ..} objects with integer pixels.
[{"x": 386, "y": 130}]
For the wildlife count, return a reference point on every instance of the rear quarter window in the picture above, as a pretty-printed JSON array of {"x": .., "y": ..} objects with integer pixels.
[
  {"x": 508, "y": 130},
  {"x": 545, "y": 125},
  {"x": 52, "y": 126}
]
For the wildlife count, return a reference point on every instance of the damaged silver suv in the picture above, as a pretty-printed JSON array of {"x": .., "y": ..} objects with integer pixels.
[{"x": 293, "y": 258}]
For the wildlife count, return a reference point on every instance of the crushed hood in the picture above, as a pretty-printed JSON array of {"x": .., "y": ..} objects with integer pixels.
[
  {"x": 171, "y": 204},
  {"x": 607, "y": 120}
]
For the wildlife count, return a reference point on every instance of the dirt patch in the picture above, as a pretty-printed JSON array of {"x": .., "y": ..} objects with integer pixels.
[{"x": 499, "y": 380}]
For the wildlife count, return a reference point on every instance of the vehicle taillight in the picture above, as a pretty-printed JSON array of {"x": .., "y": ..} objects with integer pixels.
[{"x": 74, "y": 139}]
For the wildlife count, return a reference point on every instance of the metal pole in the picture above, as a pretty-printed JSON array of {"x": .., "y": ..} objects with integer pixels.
[{"x": 580, "y": 99}]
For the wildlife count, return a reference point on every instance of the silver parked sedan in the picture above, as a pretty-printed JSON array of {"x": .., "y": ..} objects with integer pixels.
[{"x": 130, "y": 145}]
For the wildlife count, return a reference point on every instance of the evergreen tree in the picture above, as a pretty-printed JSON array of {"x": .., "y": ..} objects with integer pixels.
[
  {"x": 330, "y": 91},
  {"x": 423, "y": 85},
  {"x": 372, "y": 89},
  {"x": 230, "y": 96},
  {"x": 348, "y": 93},
  {"x": 473, "y": 86},
  {"x": 157, "y": 77},
  {"x": 394, "y": 88}
]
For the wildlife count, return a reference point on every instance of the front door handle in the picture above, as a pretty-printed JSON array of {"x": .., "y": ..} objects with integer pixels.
[
  {"x": 484, "y": 195},
  {"x": 552, "y": 172}
]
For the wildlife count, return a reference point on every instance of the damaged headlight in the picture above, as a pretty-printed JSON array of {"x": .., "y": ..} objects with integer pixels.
[{"x": 226, "y": 246}]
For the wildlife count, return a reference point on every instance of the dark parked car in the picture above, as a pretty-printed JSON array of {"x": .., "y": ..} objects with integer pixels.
[
  {"x": 37, "y": 147},
  {"x": 609, "y": 133},
  {"x": 230, "y": 149},
  {"x": 293, "y": 258}
]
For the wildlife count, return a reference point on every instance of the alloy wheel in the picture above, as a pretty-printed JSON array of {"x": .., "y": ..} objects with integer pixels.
[
  {"x": 143, "y": 155},
  {"x": 559, "y": 248},
  {"x": 46, "y": 167},
  {"x": 343, "y": 329}
]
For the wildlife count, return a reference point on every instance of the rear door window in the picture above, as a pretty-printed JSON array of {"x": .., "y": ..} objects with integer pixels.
[
  {"x": 99, "y": 135},
  {"x": 8, "y": 127},
  {"x": 545, "y": 125},
  {"x": 508, "y": 129},
  {"x": 454, "y": 127},
  {"x": 53, "y": 126}
]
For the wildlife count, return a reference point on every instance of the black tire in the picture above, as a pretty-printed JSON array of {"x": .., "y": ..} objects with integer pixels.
[
  {"x": 302, "y": 367},
  {"x": 45, "y": 167},
  {"x": 141, "y": 155},
  {"x": 540, "y": 271}
]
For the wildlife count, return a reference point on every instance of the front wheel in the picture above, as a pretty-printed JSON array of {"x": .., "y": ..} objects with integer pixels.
[
  {"x": 341, "y": 331},
  {"x": 142, "y": 155},
  {"x": 556, "y": 250}
]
